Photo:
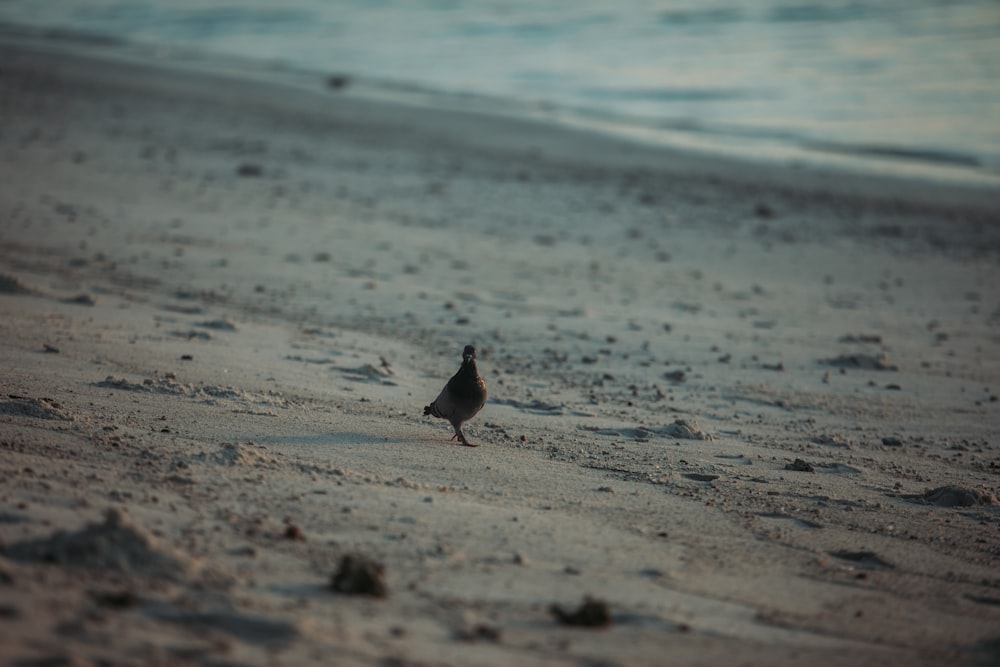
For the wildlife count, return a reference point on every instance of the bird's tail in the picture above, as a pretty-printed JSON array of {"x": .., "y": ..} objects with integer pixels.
[{"x": 432, "y": 410}]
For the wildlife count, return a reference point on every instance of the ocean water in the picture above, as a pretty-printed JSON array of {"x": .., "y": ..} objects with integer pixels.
[{"x": 891, "y": 84}]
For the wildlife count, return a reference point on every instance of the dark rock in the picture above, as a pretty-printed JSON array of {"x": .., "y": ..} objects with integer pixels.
[
  {"x": 800, "y": 466},
  {"x": 591, "y": 614},
  {"x": 358, "y": 575},
  {"x": 862, "y": 361},
  {"x": 338, "y": 81},
  {"x": 699, "y": 477},
  {"x": 862, "y": 558},
  {"x": 250, "y": 170},
  {"x": 869, "y": 339},
  {"x": 14, "y": 285},
  {"x": 953, "y": 496}
]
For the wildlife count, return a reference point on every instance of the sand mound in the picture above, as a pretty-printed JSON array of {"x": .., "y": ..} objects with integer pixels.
[
  {"x": 115, "y": 545},
  {"x": 235, "y": 454},
  {"x": 683, "y": 429},
  {"x": 953, "y": 496},
  {"x": 208, "y": 394},
  {"x": 37, "y": 408}
]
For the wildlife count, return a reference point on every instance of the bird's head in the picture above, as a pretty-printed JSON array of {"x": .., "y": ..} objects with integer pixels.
[{"x": 469, "y": 354}]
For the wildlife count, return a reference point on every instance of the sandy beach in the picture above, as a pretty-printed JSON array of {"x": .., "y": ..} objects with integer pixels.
[{"x": 749, "y": 411}]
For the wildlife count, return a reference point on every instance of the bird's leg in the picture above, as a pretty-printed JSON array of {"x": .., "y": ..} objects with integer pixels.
[{"x": 461, "y": 437}]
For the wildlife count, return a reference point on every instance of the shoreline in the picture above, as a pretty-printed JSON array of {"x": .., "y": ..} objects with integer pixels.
[
  {"x": 895, "y": 169},
  {"x": 753, "y": 410}
]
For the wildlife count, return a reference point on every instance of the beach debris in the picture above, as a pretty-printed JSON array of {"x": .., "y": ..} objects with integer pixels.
[
  {"x": 891, "y": 441},
  {"x": 13, "y": 285},
  {"x": 81, "y": 300},
  {"x": 192, "y": 335},
  {"x": 952, "y": 496},
  {"x": 338, "y": 81},
  {"x": 764, "y": 211},
  {"x": 700, "y": 477},
  {"x": 800, "y": 466},
  {"x": 50, "y": 349},
  {"x": 462, "y": 397},
  {"x": 116, "y": 544},
  {"x": 683, "y": 429},
  {"x": 294, "y": 533},
  {"x": 867, "y": 559},
  {"x": 479, "y": 631},
  {"x": 221, "y": 324},
  {"x": 861, "y": 361},
  {"x": 359, "y": 575},
  {"x": 805, "y": 523},
  {"x": 592, "y": 613},
  {"x": 675, "y": 376},
  {"x": 867, "y": 339},
  {"x": 249, "y": 170},
  {"x": 124, "y": 599},
  {"x": 835, "y": 440},
  {"x": 534, "y": 406}
]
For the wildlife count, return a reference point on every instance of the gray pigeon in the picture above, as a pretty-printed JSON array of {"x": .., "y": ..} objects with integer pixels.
[{"x": 462, "y": 397}]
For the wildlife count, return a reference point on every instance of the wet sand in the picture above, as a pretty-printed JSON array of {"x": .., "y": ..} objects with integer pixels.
[{"x": 749, "y": 411}]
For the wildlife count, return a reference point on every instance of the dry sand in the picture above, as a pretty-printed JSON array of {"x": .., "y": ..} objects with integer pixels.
[{"x": 751, "y": 410}]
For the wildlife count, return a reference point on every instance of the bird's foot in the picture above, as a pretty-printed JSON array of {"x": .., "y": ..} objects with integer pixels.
[{"x": 461, "y": 438}]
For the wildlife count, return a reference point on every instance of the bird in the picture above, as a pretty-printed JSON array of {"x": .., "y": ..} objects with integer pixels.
[{"x": 462, "y": 397}]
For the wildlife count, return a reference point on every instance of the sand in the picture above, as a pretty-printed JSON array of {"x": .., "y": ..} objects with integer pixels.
[{"x": 739, "y": 414}]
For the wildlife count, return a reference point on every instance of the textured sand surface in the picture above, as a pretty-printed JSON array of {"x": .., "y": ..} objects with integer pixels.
[{"x": 752, "y": 410}]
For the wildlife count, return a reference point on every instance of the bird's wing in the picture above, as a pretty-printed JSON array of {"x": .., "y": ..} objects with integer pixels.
[{"x": 445, "y": 403}]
